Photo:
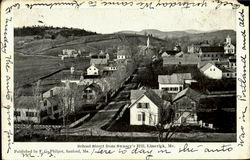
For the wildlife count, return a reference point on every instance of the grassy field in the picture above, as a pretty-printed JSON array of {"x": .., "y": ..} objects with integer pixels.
[
  {"x": 92, "y": 43},
  {"x": 27, "y": 69}
]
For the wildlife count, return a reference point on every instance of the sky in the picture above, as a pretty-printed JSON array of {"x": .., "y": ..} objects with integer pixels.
[{"x": 106, "y": 20}]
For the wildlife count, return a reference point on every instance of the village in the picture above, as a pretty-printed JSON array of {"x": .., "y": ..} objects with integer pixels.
[{"x": 134, "y": 93}]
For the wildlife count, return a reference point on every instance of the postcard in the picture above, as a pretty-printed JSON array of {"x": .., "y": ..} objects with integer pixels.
[{"x": 123, "y": 79}]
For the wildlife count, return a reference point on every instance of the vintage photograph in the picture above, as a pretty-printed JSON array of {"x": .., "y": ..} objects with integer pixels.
[{"x": 124, "y": 75}]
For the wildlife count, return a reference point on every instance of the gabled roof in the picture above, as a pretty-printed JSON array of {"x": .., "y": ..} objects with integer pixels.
[
  {"x": 212, "y": 49},
  {"x": 175, "y": 78},
  {"x": 207, "y": 66},
  {"x": 135, "y": 94},
  {"x": 165, "y": 54},
  {"x": 26, "y": 102},
  {"x": 123, "y": 52},
  {"x": 190, "y": 93},
  {"x": 98, "y": 61},
  {"x": 152, "y": 95},
  {"x": 53, "y": 100}
]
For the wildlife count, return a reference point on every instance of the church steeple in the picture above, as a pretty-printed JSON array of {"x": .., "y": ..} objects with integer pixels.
[
  {"x": 148, "y": 42},
  {"x": 228, "y": 40}
]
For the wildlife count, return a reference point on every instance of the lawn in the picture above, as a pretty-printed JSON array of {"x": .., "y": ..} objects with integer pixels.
[{"x": 28, "y": 69}]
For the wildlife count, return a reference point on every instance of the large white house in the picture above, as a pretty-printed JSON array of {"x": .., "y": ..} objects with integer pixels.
[
  {"x": 27, "y": 109},
  {"x": 92, "y": 70},
  {"x": 123, "y": 54},
  {"x": 146, "y": 107},
  {"x": 211, "y": 71},
  {"x": 173, "y": 83}
]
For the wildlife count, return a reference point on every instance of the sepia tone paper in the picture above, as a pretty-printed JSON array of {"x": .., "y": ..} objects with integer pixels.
[{"x": 148, "y": 29}]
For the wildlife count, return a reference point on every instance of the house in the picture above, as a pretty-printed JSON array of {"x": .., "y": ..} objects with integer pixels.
[
  {"x": 185, "y": 104},
  {"x": 229, "y": 73},
  {"x": 232, "y": 63},
  {"x": 229, "y": 48},
  {"x": 146, "y": 107},
  {"x": 27, "y": 109},
  {"x": 195, "y": 48},
  {"x": 123, "y": 54},
  {"x": 69, "y": 53},
  {"x": 211, "y": 71},
  {"x": 173, "y": 83},
  {"x": 93, "y": 70},
  {"x": 211, "y": 53},
  {"x": 50, "y": 108},
  {"x": 91, "y": 93}
]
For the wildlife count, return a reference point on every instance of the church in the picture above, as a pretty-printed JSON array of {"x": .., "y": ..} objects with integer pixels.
[{"x": 229, "y": 48}]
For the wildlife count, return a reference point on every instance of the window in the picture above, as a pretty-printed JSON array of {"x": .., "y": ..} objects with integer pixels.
[
  {"x": 55, "y": 108},
  {"x": 143, "y": 105},
  {"x": 139, "y": 117},
  {"x": 45, "y": 103},
  {"x": 143, "y": 116},
  {"x": 17, "y": 113},
  {"x": 30, "y": 114},
  {"x": 214, "y": 69},
  {"x": 88, "y": 90}
]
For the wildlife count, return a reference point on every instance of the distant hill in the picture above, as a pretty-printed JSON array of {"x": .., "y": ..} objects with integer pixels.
[{"x": 192, "y": 34}]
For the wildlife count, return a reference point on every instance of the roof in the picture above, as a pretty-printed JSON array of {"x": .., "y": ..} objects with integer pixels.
[
  {"x": 175, "y": 78},
  {"x": 151, "y": 94},
  {"x": 232, "y": 60},
  {"x": 27, "y": 102},
  {"x": 135, "y": 94},
  {"x": 172, "y": 52},
  {"x": 190, "y": 93},
  {"x": 207, "y": 66},
  {"x": 212, "y": 49},
  {"x": 165, "y": 54},
  {"x": 123, "y": 52},
  {"x": 53, "y": 100},
  {"x": 223, "y": 69},
  {"x": 154, "y": 97},
  {"x": 98, "y": 61}
]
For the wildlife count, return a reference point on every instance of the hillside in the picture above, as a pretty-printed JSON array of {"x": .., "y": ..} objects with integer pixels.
[
  {"x": 189, "y": 35},
  {"x": 50, "y": 32},
  {"x": 91, "y": 43}
]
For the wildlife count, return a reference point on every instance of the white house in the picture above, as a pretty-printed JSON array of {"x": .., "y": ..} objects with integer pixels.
[
  {"x": 27, "y": 109},
  {"x": 173, "y": 83},
  {"x": 92, "y": 70},
  {"x": 123, "y": 54},
  {"x": 211, "y": 71},
  {"x": 145, "y": 108}
]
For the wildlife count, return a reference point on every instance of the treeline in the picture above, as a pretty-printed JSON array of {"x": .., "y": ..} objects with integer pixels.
[{"x": 50, "y": 32}]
